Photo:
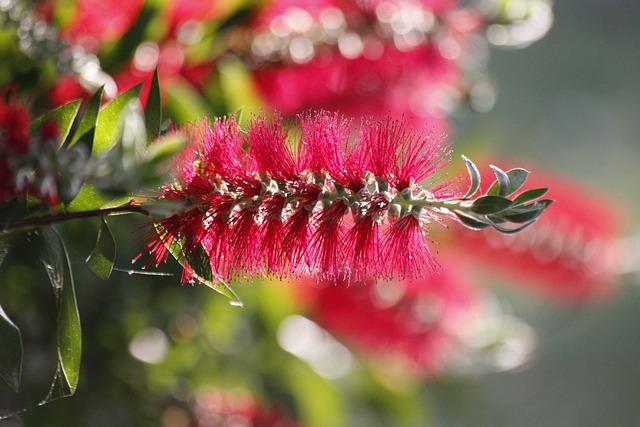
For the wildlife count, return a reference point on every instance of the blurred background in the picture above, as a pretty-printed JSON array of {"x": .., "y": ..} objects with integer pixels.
[{"x": 539, "y": 329}]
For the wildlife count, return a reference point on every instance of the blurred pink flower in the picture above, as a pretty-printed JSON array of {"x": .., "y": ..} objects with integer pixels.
[
  {"x": 330, "y": 205},
  {"x": 569, "y": 253},
  {"x": 221, "y": 408},
  {"x": 407, "y": 326},
  {"x": 95, "y": 21},
  {"x": 362, "y": 58}
]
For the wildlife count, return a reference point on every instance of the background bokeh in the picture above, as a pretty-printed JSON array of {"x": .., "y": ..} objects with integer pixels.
[{"x": 566, "y": 104}]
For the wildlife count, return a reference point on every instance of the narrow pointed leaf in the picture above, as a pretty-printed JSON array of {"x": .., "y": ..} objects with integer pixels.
[
  {"x": 63, "y": 116},
  {"x": 501, "y": 185},
  {"x": 109, "y": 124},
  {"x": 153, "y": 110},
  {"x": 529, "y": 195},
  {"x": 522, "y": 216},
  {"x": 103, "y": 256},
  {"x": 489, "y": 205},
  {"x": 58, "y": 266},
  {"x": 87, "y": 126},
  {"x": 474, "y": 175},
  {"x": 517, "y": 178},
  {"x": 10, "y": 351},
  {"x": 197, "y": 262}
]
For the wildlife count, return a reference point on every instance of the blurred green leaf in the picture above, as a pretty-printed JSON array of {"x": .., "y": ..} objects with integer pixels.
[
  {"x": 109, "y": 123},
  {"x": 196, "y": 261},
  {"x": 63, "y": 116},
  {"x": 501, "y": 185},
  {"x": 10, "y": 336},
  {"x": 10, "y": 351},
  {"x": 529, "y": 195},
  {"x": 87, "y": 126},
  {"x": 474, "y": 174},
  {"x": 485, "y": 205},
  {"x": 103, "y": 256},
  {"x": 153, "y": 110},
  {"x": 517, "y": 178}
]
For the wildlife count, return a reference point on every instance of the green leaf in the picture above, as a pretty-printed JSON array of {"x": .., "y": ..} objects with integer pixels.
[
  {"x": 153, "y": 110},
  {"x": 489, "y": 205},
  {"x": 501, "y": 185},
  {"x": 197, "y": 262},
  {"x": 102, "y": 258},
  {"x": 109, "y": 123},
  {"x": 529, "y": 195},
  {"x": 474, "y": 174},
  {"x": 87, "y": 126},
  {"x": 521, "y": 216},
  {"x": 58, "y": 266},
  {"x": 10, "y": 351},
  {"x": 470, "y": 222},
  {"x": 63, "y": 116},
  {"x": 517, "y": 178}
]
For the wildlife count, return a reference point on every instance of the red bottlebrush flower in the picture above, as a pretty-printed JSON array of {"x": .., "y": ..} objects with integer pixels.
[
  {"x": 361, "y": 58},
  {"x": 568, "y": 254},
  {"x": 333, "y": 207},
  {"x": 221, "y": 408},
  {"x": 411, "y": 325},
  {"x": 14, "y": 125}
]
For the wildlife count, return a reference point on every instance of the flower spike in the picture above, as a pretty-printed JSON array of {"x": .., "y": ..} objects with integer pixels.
[{"x": 334, "y": 202}]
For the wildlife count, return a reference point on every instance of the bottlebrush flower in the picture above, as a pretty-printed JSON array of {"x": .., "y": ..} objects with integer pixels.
[
  {"x": 569, "y": 254},
  {"x": 259, "y": 203},
  {"x": 334, "y": 203},
  {"x": 362, "y": 58},
  {"x": 406, "y": 326}
]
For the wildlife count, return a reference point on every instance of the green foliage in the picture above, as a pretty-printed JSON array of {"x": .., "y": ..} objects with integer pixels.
[{"x": 494, "y": 207}]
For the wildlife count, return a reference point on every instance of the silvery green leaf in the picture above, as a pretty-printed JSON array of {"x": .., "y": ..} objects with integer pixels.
[
  {"x": 529, "y": 195},
  {"x": 486, "y": 205},
  {"x": 517, "y": 178},
  {"x": 474, "y": 175},
  {"x": 501, "y": 185}
]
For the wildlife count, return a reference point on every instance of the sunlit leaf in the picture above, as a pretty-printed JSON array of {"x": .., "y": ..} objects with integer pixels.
[
  {"x": 63, "y": 116},
  {"x": 197, "y": 262},
  {"x": 153, "y": 110},
  {"x": 102, "y": 258},
  {"x": 89, "y": 198},
  {"x": 474, "y": 175},
  {"x": 10, "y": 351},
  {"x": 501, "y": 185},
  {"x": 109, "y": 123},
  {"x": 489, "y": 205},
  {"x": 87, "y": 126}
]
